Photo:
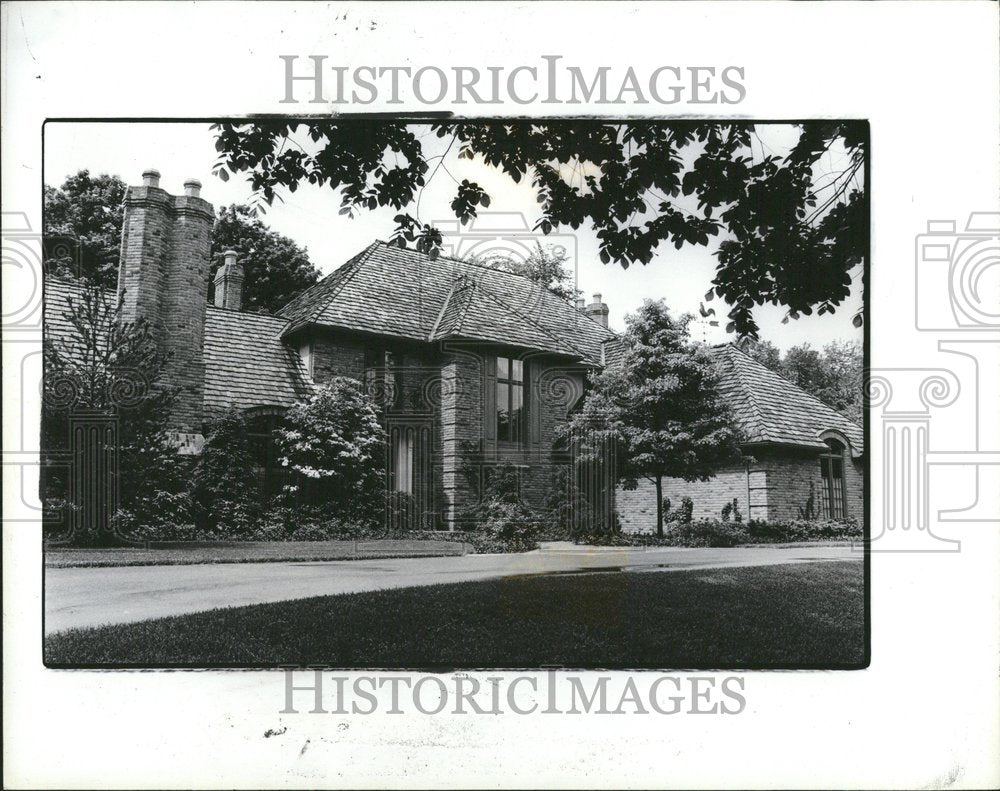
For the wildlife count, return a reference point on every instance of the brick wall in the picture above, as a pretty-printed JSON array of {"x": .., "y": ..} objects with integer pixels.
[
  {"x": 789, "y": 479},
  {"x": 337, "y": 354},
  {"x": 466, "y": 411},
  {"x": 779, "y": 487},
  {"x": 637, "y": 508},
  {"x": 163, "y": 278}
]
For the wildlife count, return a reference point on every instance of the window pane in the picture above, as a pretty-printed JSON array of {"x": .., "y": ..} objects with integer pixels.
[
  {"x": 517, "y": 370},
  {"x": 403, "y": 461},
  {"x": 503, "y": 411},
  {"x": 503, "y": 368},
  {"x": 516, "y": 413}
]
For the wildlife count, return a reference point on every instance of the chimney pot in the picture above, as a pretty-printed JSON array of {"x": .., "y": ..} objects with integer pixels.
[
  {"x": 229, "y": 283},
  {"x": 151, "y": 178},
  {"x": 581, "y": 303},
  {"x": 597, "y": 310},
  {"x": 192, "y": 188}
]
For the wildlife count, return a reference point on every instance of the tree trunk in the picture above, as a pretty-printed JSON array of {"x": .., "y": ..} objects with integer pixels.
[{"x": 659, "y": 506}]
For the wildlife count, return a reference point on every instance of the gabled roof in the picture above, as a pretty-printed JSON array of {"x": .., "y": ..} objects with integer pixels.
[
  {"x": 246, "y": 362},
  {"x": 403, "y": 293},
  {"x": 773, "y": 410}
]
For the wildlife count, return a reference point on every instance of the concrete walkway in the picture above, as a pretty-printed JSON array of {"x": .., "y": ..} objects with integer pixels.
[{"x": 83, "y": 597}]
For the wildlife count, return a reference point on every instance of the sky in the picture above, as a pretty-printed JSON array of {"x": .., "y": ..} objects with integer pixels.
[{"x": 310, "y": 217}]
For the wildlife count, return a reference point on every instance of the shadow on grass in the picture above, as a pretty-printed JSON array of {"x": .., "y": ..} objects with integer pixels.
[{"x": 803, "y": 615}]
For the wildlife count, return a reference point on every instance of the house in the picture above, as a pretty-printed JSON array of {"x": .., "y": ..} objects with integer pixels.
[
  {"x": 800, "y": 455},
  {"x": 469, "y": 367}
]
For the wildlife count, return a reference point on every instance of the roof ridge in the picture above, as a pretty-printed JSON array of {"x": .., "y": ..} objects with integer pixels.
[
  {"x": 456, "y": 260},
  {"x": 444, "y": 307},
  {"x": 464, "y": 262},
  {"x": 797, "y": 386},
  {"x": 541, "y": 328},
  {"x": 463, "y": 310}
]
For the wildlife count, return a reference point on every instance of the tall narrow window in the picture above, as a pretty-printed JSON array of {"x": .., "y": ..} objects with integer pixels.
[
  {"x": 402, "y": 460},
  {"x": 834, "y": 494},
  {"x": 511, "y": 417}
]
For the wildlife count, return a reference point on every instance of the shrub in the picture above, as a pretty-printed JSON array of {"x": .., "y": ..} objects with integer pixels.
[
  {"x": 402, "y": 512},
  {"x": 335, "y": 446},
  {"x": 504, "y": 522},
  {"x": 715, "y": 533},
  {"x": 706, "y": 533},
  {"x": 224, "y": 489},
  {"x": 732, "y": 511},
  {"x": 807, "y": 511},
  {"x": 110, "y": 367},
  {"x": 805, "y": 530},
  {"x": 682, "y": 515},
  {"x": 565, "y": 506}
]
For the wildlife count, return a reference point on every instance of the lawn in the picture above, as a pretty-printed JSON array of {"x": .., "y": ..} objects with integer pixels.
[
  {"x": 809, "y": 614},
  {"x": 254, "y": 552}
]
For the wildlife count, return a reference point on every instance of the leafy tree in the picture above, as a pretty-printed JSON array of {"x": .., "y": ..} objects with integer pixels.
[
  {"x": 546, "y": 266},
  {"x": 223, "y": 489},
  {"x": 82, "y": 233},
  {"x": 335, "y": 444},
  {"x": 83, "y": 227},
  {"x": 792, "y": 234},
  {"x": 662, "y": 405},
  {"x": 108, "y": 367},
  {"x": 766, "y": 353},
  {"x": 275, "y": 268}
]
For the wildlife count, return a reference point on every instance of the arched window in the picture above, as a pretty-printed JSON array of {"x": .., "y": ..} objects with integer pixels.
[{"x": 834, "y": 490}]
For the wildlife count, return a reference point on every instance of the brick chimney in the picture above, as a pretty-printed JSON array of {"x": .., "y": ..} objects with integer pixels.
[
  {"x": 163, "y": 278},
  {"x": 597, "y": 310},
  {"x": 229, "y": 283}
]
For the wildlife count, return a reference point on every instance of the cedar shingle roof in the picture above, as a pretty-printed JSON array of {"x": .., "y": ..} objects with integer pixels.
[
  {"x": 403, "y": 293},
  {"x": 246, "y": 362},
  {"x": 773, "y": 410}
]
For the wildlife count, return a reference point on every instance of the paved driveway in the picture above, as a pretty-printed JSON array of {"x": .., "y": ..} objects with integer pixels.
[{"x": 80, "y": 597}]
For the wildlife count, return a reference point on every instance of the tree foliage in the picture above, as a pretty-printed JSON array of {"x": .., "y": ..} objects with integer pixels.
[
  {"x": 223, "y": 483},
  {"x": 834, "y": 374},
  {"x": 275, "y": 268},
  {"x": 335, "y": 444},
  {"x": 789, "y": 234},
  {"x": 661, "y": 404},
  {"x": 110, "y": 368},
  {"x": 83, "y": 227},
  {"x": 547, "y": 266}
]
